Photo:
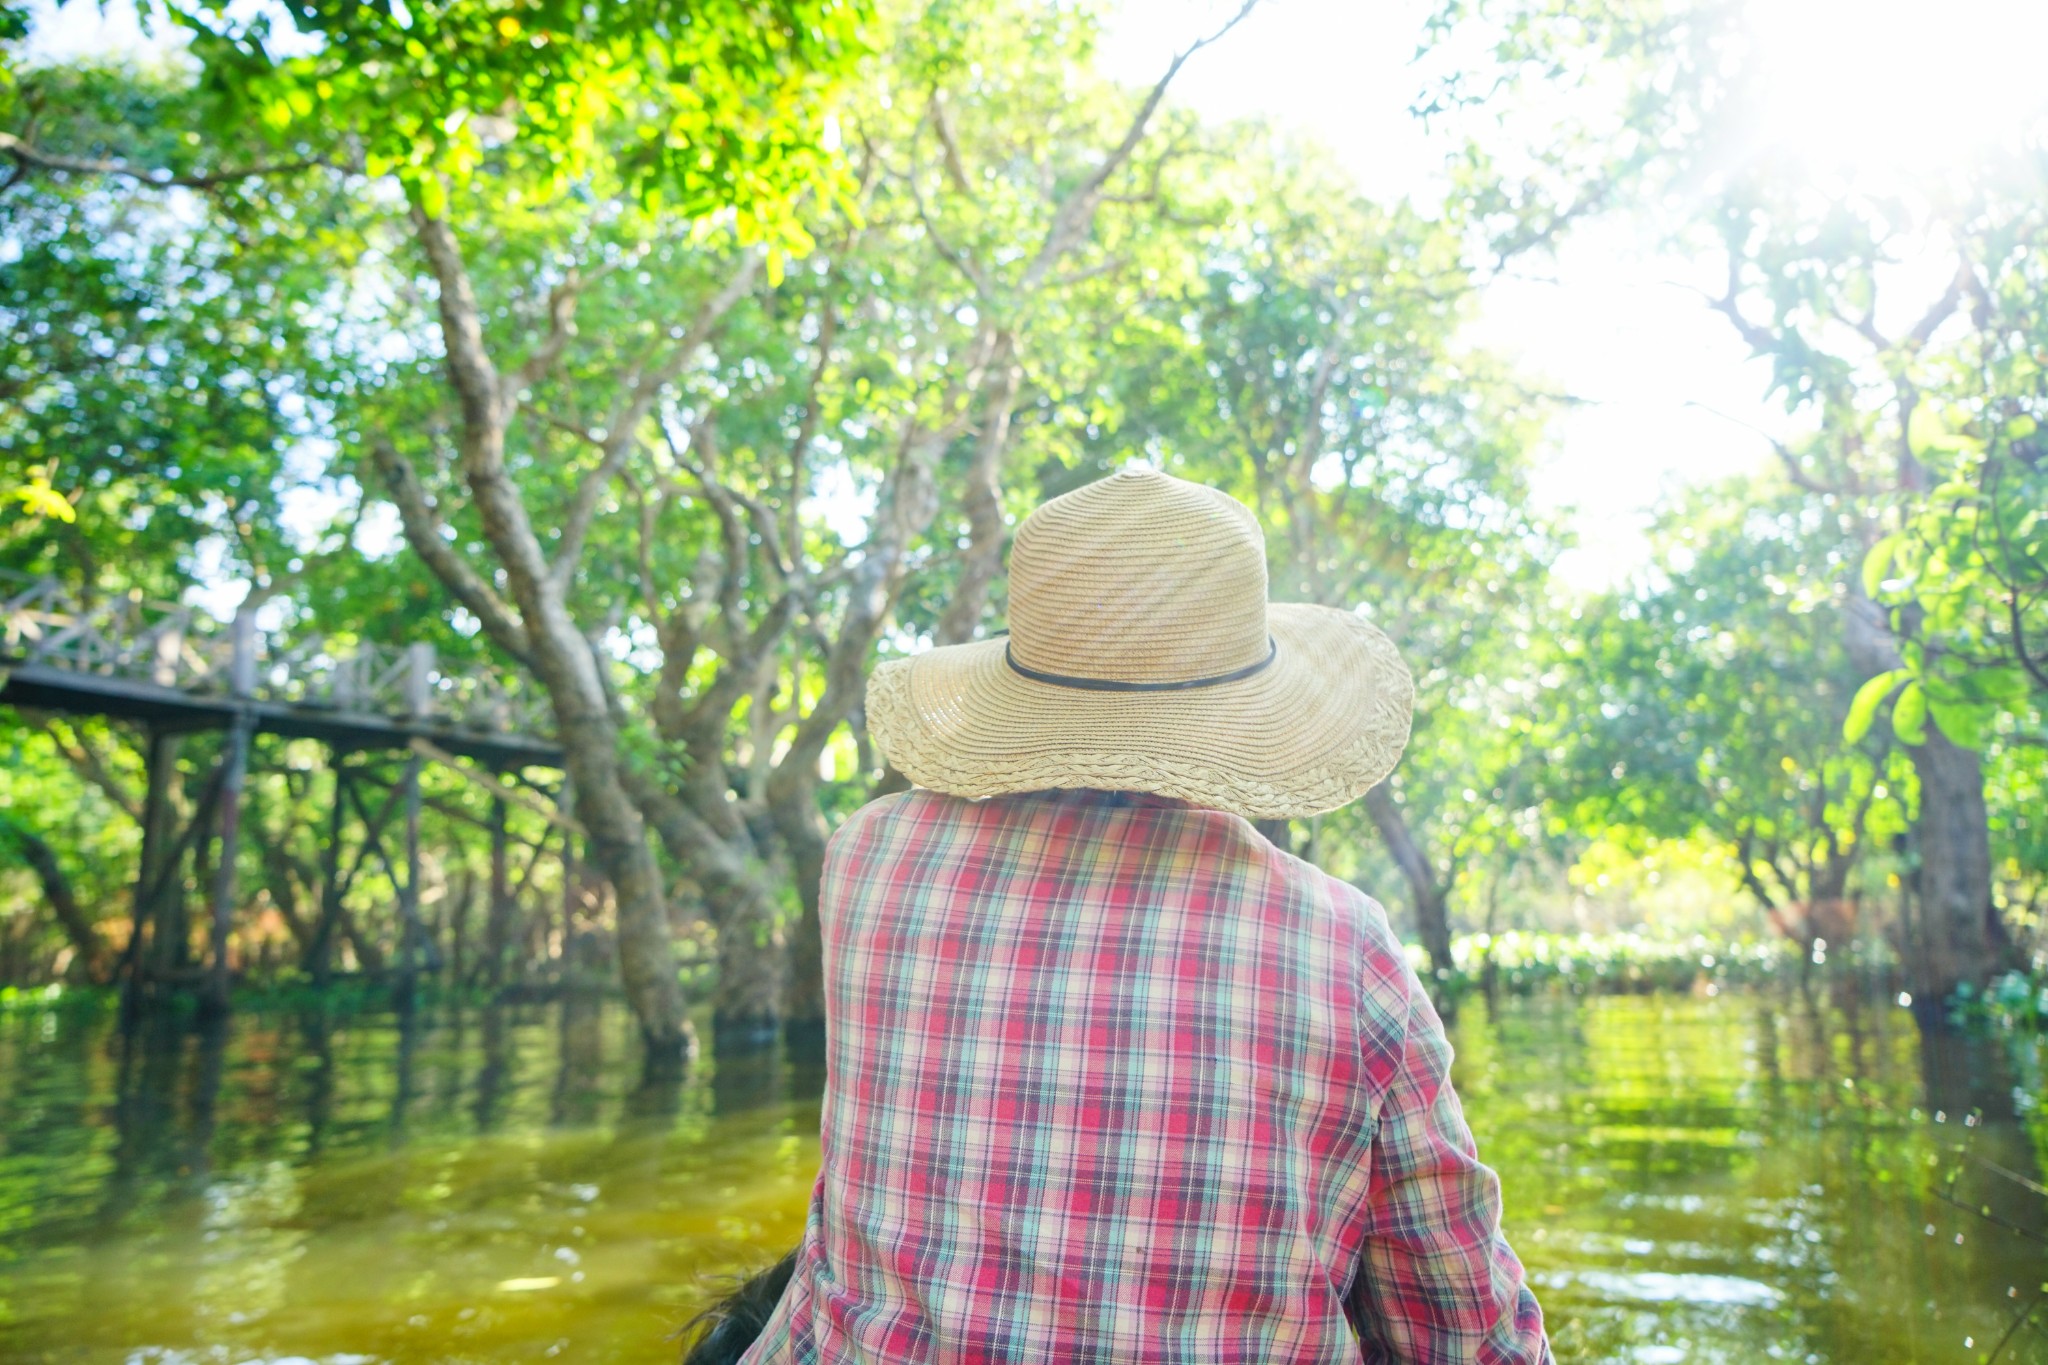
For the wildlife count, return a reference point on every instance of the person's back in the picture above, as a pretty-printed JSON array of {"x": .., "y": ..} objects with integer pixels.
[
  {"x": 1110, "y": 1077},
  {"x": 1114, "y": 1079}
]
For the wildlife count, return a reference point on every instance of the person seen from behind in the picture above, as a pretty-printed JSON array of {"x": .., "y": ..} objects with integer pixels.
[{"x": 1111, "y": 1077}]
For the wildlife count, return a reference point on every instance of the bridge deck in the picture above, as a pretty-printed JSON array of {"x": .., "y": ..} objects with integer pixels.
[
  {"x": 62, "y": 689},
  {"x": 172, "y": 669}
]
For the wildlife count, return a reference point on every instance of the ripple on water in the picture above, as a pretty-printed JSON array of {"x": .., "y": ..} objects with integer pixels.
[
  {"x": 1661, "y": 1286},
  {"x": 219, "y": 1355}
]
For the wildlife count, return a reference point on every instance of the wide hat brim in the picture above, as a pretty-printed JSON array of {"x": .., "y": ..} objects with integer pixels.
[{"x": 1312, "y": 731}]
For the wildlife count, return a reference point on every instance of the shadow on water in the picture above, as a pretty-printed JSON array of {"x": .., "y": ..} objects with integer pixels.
[
  {"x": 168, "y": 1077},
  {"x": 1756, "y": 1176}
]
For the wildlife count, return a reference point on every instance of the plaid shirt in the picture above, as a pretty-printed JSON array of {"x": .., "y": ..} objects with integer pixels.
[{"x": 1111, "y": 1078}]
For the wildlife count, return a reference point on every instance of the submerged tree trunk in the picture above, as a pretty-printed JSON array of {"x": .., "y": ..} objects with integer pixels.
[
  {"x": 801, "y": 827},
  {"x": 1960, "y": 938},
  {"x": 1430, "y": 897},
  {"x": 747, "y": 1000},
  {"x": 1957, "y": 938}
]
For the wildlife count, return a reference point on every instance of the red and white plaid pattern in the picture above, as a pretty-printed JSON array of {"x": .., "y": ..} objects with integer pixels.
[{"x": 1111, "y": 1078}]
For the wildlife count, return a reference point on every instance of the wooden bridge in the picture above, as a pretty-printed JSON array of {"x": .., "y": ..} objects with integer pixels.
[{"x": 176, "y": 670}]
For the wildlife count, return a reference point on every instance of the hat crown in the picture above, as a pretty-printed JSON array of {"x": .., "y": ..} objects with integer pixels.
[{"x": 1139, "y": 578}]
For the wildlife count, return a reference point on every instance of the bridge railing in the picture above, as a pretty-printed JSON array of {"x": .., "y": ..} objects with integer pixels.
[{"x": 173, "y": 645}]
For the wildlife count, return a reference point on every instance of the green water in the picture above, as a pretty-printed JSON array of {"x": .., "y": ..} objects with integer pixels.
[{"x": 1742, "y": 1178}]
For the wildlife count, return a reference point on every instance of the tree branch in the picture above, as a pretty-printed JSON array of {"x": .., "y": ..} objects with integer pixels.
[
  {"x": 1077, "y": 210},
  {"x": 956, "y": 169},
  {"x": 800, "y": 445},
  {"x": 639, "y": 398},
  {"x": 562, "y": 301},
  {"x": 90, "y": 763},
  {"x": 983, "y": 497},
  {"x": 422, "y": 524},
  {"x": 1786, "y": 456},
  {"x": 634, "y": 405},
  {"x": 28, "y": 157},
  {"x": 1923, "y": 330},
  {"x": 486, "y": 410},
  {"x": 476, "y": 380}
]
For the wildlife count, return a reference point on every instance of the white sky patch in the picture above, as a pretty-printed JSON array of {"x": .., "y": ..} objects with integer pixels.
[
  {"x": 845, "y": 507},
  {"x": 1337, "y": 70},
  {"x": 1905, "y": 86},
  {"x": 217, "y": 593},
  {"x": 70, "y": 30},
  {"x": 1610, "y": 324},
  {"x": 380, "y": 533},
  {"x": 80, "y": 29},
  {"x": 1663, "y": 392},
  {"x": 309, "y": 498}
]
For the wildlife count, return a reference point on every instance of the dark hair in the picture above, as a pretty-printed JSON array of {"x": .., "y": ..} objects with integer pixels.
[{"x": 721, "y": 1334}]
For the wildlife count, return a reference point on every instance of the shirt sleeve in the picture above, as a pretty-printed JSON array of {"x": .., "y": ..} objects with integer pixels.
[{"x": 1437, "y": 1284}]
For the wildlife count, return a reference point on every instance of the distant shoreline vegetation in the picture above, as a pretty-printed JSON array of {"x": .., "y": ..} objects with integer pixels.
[{"x": 1516, "y": 962}]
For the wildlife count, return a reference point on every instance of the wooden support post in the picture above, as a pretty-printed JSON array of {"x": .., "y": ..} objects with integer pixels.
[
  {"x": 170, "y": 648},
  {"x": 570, "y": 867},
  {"x": 418, "y": 696},
  {"x": 160, "y": 758},
  {"x": 320, "y": 952},
  {"x": 498, "y": 921},
  {"x": 234, "y": 774}
]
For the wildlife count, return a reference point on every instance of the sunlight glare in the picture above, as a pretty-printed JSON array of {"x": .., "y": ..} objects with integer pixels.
[{"x": 1900, "y": 87}]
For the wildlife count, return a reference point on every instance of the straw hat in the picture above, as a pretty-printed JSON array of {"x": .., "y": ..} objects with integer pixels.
[{"x": 1143, "y": 656}]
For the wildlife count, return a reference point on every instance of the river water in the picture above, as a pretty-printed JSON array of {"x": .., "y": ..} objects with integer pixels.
[{"x": 1747, "y": 1177}]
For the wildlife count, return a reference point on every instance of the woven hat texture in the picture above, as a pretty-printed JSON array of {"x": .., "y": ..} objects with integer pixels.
[{"x": 1143, "y": 656}]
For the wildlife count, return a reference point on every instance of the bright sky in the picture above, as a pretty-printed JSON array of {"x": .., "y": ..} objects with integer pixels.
[
  {"x": 1663, "y": 384},
  {"x": 1902, "y": 88}
]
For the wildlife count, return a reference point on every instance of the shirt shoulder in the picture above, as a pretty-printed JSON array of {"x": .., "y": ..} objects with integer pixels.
[
  {"x": 1386, "y": 981},
  {"x": 878, "y": 809}
]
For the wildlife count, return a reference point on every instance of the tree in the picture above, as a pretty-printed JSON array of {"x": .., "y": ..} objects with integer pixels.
[
  {"x": 600, "y": 423},
  {"x": 720, "y": 108},
  {"x": 1708, "y": 700},
  {"x": 1811, "y": 285}
]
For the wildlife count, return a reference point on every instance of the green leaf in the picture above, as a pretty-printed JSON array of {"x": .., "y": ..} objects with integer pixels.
[
  {"x": 1878, "y": 562},
  {"x": 2008, "y": 684},
  {"x": 1870, "y": 696},
  {"x": 432, "y": 195},
  {"x": 1965, "y": 724},
  {"x": 1909, "y": 715},
  {"x": 38, "y": 499}
]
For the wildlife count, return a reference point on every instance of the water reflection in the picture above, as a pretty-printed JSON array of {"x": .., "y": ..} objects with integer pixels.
[
  {"x": 494, "y": 1074},
  {"x": 1753, "y": 1177},
  {"x": 579, "y": 1089}
]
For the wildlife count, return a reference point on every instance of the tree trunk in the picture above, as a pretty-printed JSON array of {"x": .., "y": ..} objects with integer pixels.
[
  {"x": 1959, "y": 938},
  {"x": 368, "y": 952},
  {"x": 617, "y": 835},
  {"x": 746, "y": 1004},
  {"x": 498, "y": 918},
  {"x": 1278, "y": 833},
  {"x": 459, "y": 903},
  {"x": 1959, "y": 934},
  {"x": 983, "y": 562},
  {"x": 71, "y": 917},
  {"x": 802, "y": 829},
  {"x": 1429, "y": 896},
  {"x": 546, "y": 636}
]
